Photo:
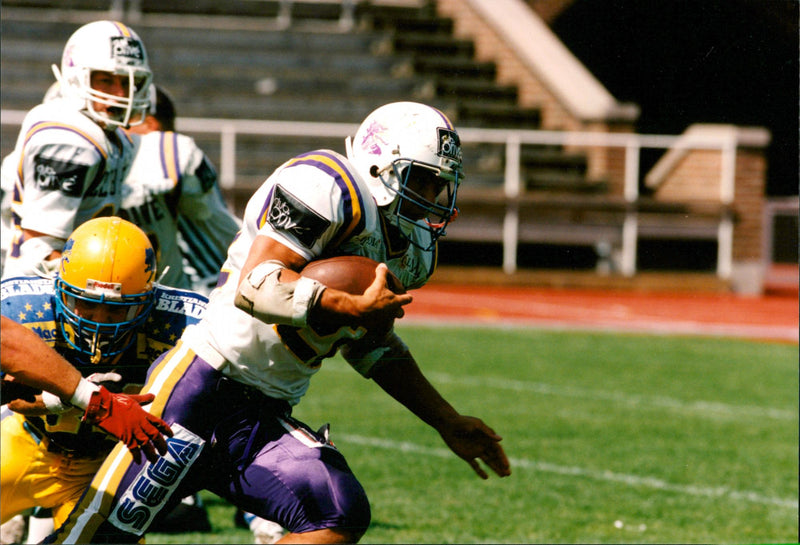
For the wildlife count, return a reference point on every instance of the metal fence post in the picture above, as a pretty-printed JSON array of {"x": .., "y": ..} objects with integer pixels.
[
  {"x": 512, "y": 188},
  {"x": 630, "y": 227}
]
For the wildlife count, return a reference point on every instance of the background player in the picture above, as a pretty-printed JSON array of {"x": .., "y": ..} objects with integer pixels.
[
  {"x": 71, "y": 155},
  {"x": 230, "y": 383},
  {"x": 171, "y": 192},
  {"x": 107, "y": 317}
]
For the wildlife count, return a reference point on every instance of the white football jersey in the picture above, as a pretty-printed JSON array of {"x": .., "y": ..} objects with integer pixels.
[
  {"x": 7, "y": 177},
  {"x": 319, "y": 207},
  {"x": 67, "y": 170},
  {"x": 172, "y": 179}
]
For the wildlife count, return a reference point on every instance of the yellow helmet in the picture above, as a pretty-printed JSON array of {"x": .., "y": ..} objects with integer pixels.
[{"x": 104, "y": 287}]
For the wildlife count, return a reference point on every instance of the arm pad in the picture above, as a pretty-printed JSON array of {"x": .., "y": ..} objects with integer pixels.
[{"x": 263, "y": 296}]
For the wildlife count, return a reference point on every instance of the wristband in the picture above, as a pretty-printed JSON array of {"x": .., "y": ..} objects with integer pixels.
[
  {"x": 53, "y": 403},
  {"x": 83, "y": 393}
]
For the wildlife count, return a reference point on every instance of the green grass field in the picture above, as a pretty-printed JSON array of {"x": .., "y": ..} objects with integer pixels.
[{"x": 613, "y": 438}]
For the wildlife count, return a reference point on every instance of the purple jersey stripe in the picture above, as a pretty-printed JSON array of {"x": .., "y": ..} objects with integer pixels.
[{"x": 351, "y": 195}]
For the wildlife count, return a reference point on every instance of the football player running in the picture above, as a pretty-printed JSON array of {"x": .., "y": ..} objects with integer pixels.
[
  {"x": 230, "y": 383},
  {"x": 105, "y": 315},
  {"x": 71, "y": 155},
  {"x": 172, "y": 193}
]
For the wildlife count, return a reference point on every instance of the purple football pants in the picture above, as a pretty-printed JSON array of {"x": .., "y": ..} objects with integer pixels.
[{"x": 255, "y": 455}]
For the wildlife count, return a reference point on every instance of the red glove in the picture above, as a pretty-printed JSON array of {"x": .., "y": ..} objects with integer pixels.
[{"x": 121, "y": 416}]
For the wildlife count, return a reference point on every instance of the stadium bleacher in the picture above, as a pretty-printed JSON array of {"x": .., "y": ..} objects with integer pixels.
[{"x": 335, "y": 61}]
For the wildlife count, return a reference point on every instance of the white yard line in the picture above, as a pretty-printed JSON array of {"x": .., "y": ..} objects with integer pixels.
[
  {"x": 702, "y": 408},
  {"x": 607, "y": 476}
]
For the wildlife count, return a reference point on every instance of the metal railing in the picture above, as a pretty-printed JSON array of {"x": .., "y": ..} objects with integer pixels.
[
  {"x": 131, "y": 10},
  {"x": 512, "y": 140}
]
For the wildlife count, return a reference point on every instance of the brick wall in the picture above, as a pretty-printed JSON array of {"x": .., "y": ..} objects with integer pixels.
[
  {"x": 695, "y": 177},
  {"x": 510, "y": 71},
  {"x": 751, "y": 167},
  {"x": 490, "y": 47}
]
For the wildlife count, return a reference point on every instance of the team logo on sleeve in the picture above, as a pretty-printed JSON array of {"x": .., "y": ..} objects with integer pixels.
[
  {"x": 290, "y": 215},
  {"x": 55, "y": 175}
]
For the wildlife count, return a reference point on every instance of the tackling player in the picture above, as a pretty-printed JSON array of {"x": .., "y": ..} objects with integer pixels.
[
  {"x": 30, "y": 365},
  {"x": 71, "y": 155},
  {"x": 229, "y": 385},
  {"x": 105, "y": 315}
]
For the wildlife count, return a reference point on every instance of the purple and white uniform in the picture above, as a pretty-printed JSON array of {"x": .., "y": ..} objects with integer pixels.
[
  {"x": 227, "y": 388},
  {"x": 171, "y": 192},
  {"x": 67, "y": 170}
]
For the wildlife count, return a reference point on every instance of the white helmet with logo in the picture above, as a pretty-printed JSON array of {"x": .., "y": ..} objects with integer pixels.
[
  {"x": 106, "y": 46},
  {"x": 398, "y": 139}
]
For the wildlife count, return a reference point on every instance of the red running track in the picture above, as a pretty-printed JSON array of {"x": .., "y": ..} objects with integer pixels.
[{"x": 772, "y": 318}]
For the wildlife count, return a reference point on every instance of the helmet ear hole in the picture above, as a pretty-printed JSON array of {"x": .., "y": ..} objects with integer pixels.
[{"x": 374, "y": 171}]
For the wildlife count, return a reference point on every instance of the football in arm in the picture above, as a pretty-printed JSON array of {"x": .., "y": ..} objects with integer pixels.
[{"x": 349, "y": 273}]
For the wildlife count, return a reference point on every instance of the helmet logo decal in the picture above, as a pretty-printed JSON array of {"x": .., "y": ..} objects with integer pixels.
[
  {"x": 449, "y": 144},
  {"x": 112, "y": 289},
  {"x": 371, "y": 143},
  {"x": 150, "y": 261},
  {"x": 127, "y": 50},
  {"x": 67, "y": 60},
  {"x": 66, "y": 252}
]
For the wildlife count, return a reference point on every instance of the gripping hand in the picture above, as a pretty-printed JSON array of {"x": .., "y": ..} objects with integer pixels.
[{"x": 121, "y": 416}]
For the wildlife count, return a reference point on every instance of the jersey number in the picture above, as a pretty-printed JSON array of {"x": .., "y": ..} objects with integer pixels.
[{"x": 312, "y": 346}]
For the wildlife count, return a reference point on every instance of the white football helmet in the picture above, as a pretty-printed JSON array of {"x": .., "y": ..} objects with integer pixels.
[
  {"x": 106, "y": 46},
  {"x": 402, "y": 138}
]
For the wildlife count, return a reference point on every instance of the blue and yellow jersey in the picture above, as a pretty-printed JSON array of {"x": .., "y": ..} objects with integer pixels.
[{"x": 30, "y": 301}]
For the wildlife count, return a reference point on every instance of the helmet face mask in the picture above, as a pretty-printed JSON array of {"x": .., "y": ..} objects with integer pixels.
[
  {"x": 106, "y": 49},
  {"x": 423, "y": 193},
  {"x": 102, "y": 338},
  {"x": 104, "y": 289},
  {"x": 409, "y": 155}
]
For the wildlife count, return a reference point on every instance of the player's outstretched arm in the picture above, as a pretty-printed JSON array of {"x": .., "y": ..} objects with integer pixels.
[
  {"x": 30, "y": 361},
  {"x": 468, "y": 437},
  {"x": 27, "y": 358}
]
